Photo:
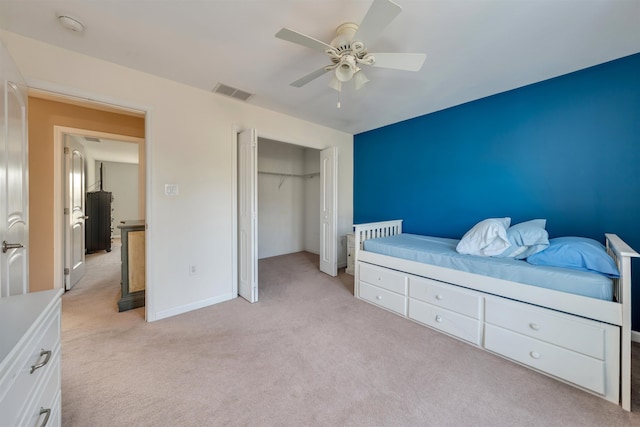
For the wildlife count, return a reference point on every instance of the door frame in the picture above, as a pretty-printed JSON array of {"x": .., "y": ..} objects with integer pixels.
[
  {"x": 59, "y": 172},
  {"x": 235, "y": 130},
  {"x": 66, "y": 94}
]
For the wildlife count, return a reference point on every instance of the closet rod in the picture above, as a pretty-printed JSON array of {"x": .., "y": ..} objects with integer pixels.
[{"x": 309, "y": 175}]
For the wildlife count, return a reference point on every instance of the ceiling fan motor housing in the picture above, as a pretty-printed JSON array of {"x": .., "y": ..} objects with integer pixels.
[{"x": 344, "y": 36}]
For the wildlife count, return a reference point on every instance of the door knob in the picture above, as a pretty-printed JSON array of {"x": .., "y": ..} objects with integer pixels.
[
  {"x": 6, "y": 246},
  {"x": 84, "y": 217}
]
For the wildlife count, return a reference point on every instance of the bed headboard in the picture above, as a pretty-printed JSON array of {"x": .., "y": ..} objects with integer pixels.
[{"x": 373, "y": 230}]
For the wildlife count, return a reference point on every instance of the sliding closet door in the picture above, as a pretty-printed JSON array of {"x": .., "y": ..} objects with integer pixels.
[
  {"x": 248, "y": 215},
  {"x": 329, "y": 211}
]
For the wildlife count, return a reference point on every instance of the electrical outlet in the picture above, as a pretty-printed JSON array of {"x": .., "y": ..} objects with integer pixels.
[{"x": 193, "y": 270}]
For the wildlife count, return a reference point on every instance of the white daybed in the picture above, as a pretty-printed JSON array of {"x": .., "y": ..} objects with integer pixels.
[{"x": 580, "y": 340}]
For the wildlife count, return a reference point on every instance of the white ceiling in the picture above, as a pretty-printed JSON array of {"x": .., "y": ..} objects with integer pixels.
[
  {"x": 109, "y": 150},
  {"x": 474, "y": 48}
]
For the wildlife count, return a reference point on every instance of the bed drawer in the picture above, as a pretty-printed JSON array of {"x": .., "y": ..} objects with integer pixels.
[
  {"x": 384, "y": 278},
  {"x": 571, "y": 332},
  {"x": 446, "y": 296},
  {"x": 384, "y": 298},
  {"x": 568, "y": 365},
  {"x": 444, "y": 320}
]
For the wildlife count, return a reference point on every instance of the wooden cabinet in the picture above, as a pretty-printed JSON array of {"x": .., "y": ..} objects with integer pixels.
[
  {"x": 133, "y": 265},
  {"x": 98, "y": 225},
  {"x": 30, "y": 359}
]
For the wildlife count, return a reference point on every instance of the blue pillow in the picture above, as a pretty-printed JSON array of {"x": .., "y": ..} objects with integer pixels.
[
  {"x": 579, "y": 253},
  {"x": 526, "y": 239}
]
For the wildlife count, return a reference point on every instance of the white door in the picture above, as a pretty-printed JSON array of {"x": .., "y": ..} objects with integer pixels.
[
  {"x": 248, "y": 215},
  {"x": 329, "y": 211},
  {"x": 14, "y": 190},
  {"x": 74, "y": 212}
]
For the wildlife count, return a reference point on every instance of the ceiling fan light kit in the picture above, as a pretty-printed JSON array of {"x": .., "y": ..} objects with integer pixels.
[{"x": 347, "y": 51}]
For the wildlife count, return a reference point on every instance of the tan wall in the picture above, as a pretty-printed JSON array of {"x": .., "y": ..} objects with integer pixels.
[{"x": 43, "y": 116}]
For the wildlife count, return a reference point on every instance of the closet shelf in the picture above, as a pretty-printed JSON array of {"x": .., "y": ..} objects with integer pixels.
[{"x": 308, "y": 175}]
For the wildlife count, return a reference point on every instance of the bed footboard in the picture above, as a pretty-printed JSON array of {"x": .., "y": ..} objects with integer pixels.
[{"x": 622, "y": 254}]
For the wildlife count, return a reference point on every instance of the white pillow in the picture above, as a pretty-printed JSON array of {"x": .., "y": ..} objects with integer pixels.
[{"x": 486, "y": 238}]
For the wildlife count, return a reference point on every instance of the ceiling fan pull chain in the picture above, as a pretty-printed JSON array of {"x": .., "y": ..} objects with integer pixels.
[{"x": 339, "y": 99}]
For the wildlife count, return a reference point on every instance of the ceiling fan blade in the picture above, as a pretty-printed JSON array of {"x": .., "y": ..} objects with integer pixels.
[
  {"x": 301, "y": 39},
  {"x": 399, "y": 61},
  {"x": 379, "y": 15},
  {"x": 308, "y": 78}
]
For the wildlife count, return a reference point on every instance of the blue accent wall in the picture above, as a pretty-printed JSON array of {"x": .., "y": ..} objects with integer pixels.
[{"x": 565, "y": 149}]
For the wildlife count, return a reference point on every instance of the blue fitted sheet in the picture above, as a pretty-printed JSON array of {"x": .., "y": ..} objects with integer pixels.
[{"x": 442, "y": 252}]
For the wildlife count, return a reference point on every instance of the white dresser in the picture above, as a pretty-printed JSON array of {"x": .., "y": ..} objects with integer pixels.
[{"x": 30, "y": 359}]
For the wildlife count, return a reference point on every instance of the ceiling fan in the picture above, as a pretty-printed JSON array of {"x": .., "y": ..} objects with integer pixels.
[{"x": 348, "y": 52}]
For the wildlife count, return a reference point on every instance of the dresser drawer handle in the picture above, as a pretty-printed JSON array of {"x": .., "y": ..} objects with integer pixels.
[
  {"x": 534, "y": 326},
  {"x": 439, "y": 297},
  {"x": 439, "y": 319},
  {"x": 47, "y": 356},
  {"x": 378, "y": 297},
  {"x": 534, "y": 355},
  {"x": 46, "y": 418}
]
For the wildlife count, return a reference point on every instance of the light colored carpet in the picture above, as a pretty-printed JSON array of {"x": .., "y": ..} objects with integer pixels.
[{"x": 308, "y": 353}]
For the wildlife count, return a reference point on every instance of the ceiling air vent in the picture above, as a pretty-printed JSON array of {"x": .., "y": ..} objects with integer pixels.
[{"x": 223, "y": 89}]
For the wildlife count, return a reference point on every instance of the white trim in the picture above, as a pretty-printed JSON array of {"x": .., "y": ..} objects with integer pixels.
[
  {"x": 234, "y": 209},
  {"x": 193, "y": 306},
  {"x": 70, "y": 93},
  {"x": 635, "y": 336}
]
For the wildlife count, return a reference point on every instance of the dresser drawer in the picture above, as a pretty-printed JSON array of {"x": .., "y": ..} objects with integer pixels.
[
  {"x": 21, "y": 380},
  {"x": 577, "y": 334},
  {"x": 446, "y": 296},
  {"x": 384, "y": 278},
  {"x": 44, "y": 406},
  {"x": 384, "y": 298},
  {"x": 574, "y": 367},
  {"x": 460, "y": 326}
]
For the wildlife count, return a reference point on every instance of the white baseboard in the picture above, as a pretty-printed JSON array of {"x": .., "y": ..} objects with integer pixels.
[
  {"x": 190, "y": 307},
  {"x": 635, "y": 336}
]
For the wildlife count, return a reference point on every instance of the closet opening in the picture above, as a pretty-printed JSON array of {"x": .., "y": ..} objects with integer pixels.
[
  {"x": 286, "y": 204},
  {"x": 288, "y": 199}
]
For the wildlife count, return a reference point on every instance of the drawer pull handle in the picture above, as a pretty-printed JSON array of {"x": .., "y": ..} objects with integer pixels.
[
  {"x": 439, "y": 319},
  {"x": 46, "y": 418},
  {"x": 378, "y": 297},
  {"x": 47, "y": 356},
  {"x": 534, "y": 326},
  {"x": 534, "y": 355},
  {"x": 439, "y": 297}
]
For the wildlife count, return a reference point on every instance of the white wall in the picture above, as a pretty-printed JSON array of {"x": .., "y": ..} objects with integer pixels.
[
  {"x": 121, "y": 179},
  {"x": 190, "y": 143}
]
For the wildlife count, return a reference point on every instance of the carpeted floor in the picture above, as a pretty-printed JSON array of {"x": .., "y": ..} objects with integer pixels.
[{"x": 307, "y": 354}]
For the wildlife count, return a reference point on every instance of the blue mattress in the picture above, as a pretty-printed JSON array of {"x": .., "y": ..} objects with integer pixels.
[{"x": 442, "y": 252}]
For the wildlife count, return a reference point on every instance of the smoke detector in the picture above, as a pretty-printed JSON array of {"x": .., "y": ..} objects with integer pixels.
[{"x": 71, "y": 23}]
